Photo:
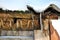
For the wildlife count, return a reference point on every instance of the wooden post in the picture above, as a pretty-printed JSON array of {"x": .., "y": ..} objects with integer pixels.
[
  {"x": 17, "y": 23},
  {"x": 28, "y": 24},
  {"x": 32, "y": 20},
  {"x": 1, "y": 26},
  {"x": 21, "y": 23},
  {"x": 10, "y": 23}
]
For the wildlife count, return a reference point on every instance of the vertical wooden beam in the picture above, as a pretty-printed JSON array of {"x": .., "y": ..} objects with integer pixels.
[
  {"x": 0, "y": 27},
  {"x": 28, "y": 23},
  {"x": 21, "y": 23},
  {"x": 17, "y": 23},
  {"x": 2, "y": 22},
  {"x": 32, "y": 20},
  {"x": 10, "y": 23}
]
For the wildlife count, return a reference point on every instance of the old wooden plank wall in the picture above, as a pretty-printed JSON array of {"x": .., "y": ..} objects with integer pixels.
[{"x": 19, "y": 22}]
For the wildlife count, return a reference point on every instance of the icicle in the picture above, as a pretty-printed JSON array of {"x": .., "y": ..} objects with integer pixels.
[{"x": 41, "y": 22}]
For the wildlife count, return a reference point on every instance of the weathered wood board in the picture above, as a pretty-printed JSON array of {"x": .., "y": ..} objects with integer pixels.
[
  {"x": 39, "y": 35},
  {"x": 16, "y": 35},
  {"x": 19, "y": 22}
]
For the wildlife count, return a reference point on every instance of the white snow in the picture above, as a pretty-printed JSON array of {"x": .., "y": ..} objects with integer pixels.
[{"x": 56, "y": 25}]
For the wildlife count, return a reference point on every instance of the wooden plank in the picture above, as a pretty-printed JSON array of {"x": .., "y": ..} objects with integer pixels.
[
  {"x": 17, "y": 33},
  {"x": 39, "y": 35},
  {"x": 16, "y": 38}
]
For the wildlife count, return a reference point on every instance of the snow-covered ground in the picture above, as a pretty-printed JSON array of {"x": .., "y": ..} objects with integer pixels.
[{"x": 56, "y": 25}]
